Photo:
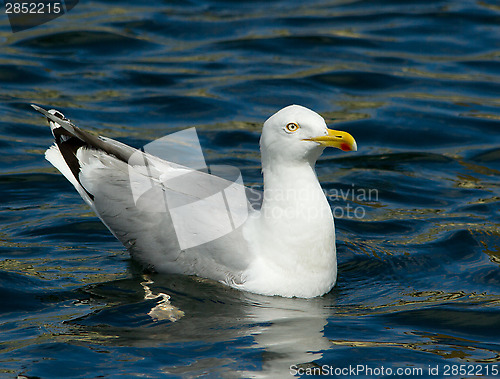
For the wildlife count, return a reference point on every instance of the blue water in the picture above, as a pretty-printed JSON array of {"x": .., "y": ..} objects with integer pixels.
[{"x": 417, "y": 83}]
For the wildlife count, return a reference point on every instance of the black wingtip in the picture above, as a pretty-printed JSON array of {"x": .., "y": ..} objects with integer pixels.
[
  {"x": 53, "y": 112},
  {"x": 58, "y": 114}
]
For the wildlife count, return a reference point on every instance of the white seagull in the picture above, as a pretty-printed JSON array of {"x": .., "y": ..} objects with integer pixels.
[{"x": 285, "y": 248}]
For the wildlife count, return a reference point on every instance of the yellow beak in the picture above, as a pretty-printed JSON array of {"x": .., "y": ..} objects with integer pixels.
[{"x": 335, "y": 138}]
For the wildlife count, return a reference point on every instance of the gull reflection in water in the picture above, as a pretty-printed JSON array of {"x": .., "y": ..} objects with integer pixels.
[{"x": 288, "y": 332}]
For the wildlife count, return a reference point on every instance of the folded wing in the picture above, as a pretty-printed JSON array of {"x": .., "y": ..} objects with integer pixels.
[{"x": 170, "y": 217}]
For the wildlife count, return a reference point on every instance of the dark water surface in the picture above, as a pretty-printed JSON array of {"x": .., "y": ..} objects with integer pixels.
[{"x": 416, "y": 82}]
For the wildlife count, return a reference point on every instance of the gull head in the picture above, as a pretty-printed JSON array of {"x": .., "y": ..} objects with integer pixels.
[{"x": 297, "y": 134}]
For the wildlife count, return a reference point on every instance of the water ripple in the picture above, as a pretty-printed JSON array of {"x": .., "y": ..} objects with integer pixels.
[{"x": 416, "y": 83}]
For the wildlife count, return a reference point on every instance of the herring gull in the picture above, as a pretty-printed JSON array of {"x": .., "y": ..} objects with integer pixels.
[{"x": 169, "y": 216}]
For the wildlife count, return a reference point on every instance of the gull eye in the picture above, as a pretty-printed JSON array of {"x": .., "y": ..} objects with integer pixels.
[{"x": 291, "y": 127}]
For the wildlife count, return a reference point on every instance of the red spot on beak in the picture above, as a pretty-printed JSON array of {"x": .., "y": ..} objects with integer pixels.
[{"x": 345, "y": 147}]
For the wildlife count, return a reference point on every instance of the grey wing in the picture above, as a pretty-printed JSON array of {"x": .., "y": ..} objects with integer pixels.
[{"x": 169, "y": 217}]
